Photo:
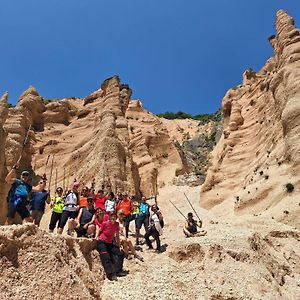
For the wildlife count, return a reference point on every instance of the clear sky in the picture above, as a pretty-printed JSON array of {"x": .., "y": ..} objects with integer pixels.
[{"x": 174, "y": 54}]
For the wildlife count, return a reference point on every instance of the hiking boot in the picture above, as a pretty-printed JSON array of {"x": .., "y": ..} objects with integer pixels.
[
  {"x": 122, "y": 273},
  {"x": 112, "y": 277}
]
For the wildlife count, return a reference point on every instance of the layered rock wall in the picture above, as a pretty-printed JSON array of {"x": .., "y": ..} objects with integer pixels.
[{"x": 259, "y": 150}]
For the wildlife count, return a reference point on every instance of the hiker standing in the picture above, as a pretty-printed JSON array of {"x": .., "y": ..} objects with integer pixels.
[
  {"x": 109, "y": 252},
  {"x": 126, "y": 206},
  {"x": 18, "y": 194},
  {"x": 142, "y": 218},
  {"x": 57, "y": 204},
  {"x": 37, "y": 205},
  {"x": 155, "y": 228},
  {"x": 71, "y": 207}
]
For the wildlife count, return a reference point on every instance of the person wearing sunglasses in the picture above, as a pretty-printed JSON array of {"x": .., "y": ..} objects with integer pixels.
[
  {"x": 18, "y": 194},
  {"x": 57, "y": 205}
]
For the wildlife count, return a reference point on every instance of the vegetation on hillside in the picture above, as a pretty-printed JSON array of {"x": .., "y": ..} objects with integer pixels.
[{"x": 203, "y": 118}]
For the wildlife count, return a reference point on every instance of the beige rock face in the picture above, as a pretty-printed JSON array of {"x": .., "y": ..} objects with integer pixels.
[
  {"x": 3, "y": 116},
  {"x": 259, "y": 151},
  {"x": 152, "y": 149}
]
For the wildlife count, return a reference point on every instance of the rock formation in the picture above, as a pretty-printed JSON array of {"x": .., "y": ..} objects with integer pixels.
[{"x": 259, "y": 151}]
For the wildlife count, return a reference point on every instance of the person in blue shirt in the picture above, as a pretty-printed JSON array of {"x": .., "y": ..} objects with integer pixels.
[
  {"x": 18, "y": 194},
  {"x": 37, "y": 205},
  {"x": 142, "y": 218}
]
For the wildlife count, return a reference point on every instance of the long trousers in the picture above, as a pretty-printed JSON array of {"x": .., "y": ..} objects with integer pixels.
[
  {"x": 111, "y": 257},
  {"x": 154, "y": 233}
]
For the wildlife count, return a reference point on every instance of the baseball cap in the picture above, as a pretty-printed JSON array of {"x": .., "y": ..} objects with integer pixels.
[{"x": 25, "y": 173}]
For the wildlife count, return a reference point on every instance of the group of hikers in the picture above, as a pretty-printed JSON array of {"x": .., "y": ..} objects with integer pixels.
[{"x": 101, "y": 215}]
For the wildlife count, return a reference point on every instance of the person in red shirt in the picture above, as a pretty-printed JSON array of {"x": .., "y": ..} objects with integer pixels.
[
  {"x": 108, "y": 251},
  {"x": 100, "y": 217},
  {"x": 100, "y": 200}
]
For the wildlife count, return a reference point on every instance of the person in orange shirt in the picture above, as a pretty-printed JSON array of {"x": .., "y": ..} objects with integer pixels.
[
  {"x": 126, "y": 206},
  {"x": 83, "y": 197}
]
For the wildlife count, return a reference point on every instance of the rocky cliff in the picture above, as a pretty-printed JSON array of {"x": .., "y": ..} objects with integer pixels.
[{"x": 259, "y": 151}]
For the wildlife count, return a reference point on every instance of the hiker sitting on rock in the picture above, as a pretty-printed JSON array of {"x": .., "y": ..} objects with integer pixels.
[
  {"x": 18, "y": 194},
  {"x": 190, "y": 227}
]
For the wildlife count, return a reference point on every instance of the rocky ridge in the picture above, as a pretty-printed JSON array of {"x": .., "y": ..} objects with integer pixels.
[{"x": 258, "y": 153}]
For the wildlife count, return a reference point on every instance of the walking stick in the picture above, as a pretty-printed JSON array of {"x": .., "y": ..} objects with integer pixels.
[
  {"x": 50, "y": 178},
  {"x": 55, "y": 179},
  {"x": 192, "y": 207},
  {"x": 46, "y": 163},
  {"x": 24, "y": 144},
  {"x": 179, "y": 210},
  {"x": 64, "y": 180}
]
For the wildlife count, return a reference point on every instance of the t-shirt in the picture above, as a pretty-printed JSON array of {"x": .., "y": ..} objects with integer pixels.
[
  {"x": 143, "y": 210},
  {"x": 108, "y": 231},
  {"x": 58, "y": 204},
  {"x": 38, "y": 201},
  {"x": 71, "y": 201},
  {"x": 110, "y": 205},
  {"x": 87, "y": 215},
  {"x": 100, "y": 202},
  {"x": 83, "y": 201},
  {"x": 98, "y": 223},
  {"x": 126, "y": 206},
  {"x": 19, "y": 189}
]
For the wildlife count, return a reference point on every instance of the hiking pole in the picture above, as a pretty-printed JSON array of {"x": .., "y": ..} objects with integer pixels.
[
  {"x": 179, "y": 210},
  {"x": 46, "y": 163},
  {"x": 55, "y": 179},
  {"x": 24, "y": 144},
  {"x": 192, "y": 207},
  {"x": 50, "y": 178},
  {"x": 64, "y": 180}
]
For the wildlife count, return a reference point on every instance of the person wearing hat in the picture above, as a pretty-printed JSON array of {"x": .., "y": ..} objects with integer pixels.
[
  {"x": 71, "y": 207},
  {"x": 190, "y": 227},
  {"x": 18, "y": 194}
]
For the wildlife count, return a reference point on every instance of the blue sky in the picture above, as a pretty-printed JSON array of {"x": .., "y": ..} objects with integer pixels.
[{"x": 174, "y": 54}]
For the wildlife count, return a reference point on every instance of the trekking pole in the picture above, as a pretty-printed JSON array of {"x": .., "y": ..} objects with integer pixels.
[
  {"x": 55, "y": 179},
  {"x": 34, "y": 164},
  {"x": 50, "y": 178},
  {"x": 46, "y": 163},
  {"x": 24, "y": 144},
  {"x": 64, "y": 180},
  {"x": 179, "y": 210},
  {"x": 192, "y": 207}
]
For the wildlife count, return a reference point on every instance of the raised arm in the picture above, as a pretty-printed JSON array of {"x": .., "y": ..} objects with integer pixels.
[{"x": 11, "y": 176}]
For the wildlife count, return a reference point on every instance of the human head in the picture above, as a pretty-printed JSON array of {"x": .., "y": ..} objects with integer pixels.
[
  {"x": 154, "y": 208},
  {"x": 99, "y": 212},
  {"x": 113, "y": 217},
  {"x": 190, "y": 215},
  {"x": 121, "y": 214},
  {"x": 144, "y": 199},
  {"x": 90, "y": 201},
  {"x": 100, "y": 193},
  {"x": 85, "y": 191},
  {"x": 111, "y": 195},
  {"x": 25, "y": 176},
  {"x": 76, "y": 185},
  {"x": 124, "y": 195},
  {"x": 59, "y": 191}
]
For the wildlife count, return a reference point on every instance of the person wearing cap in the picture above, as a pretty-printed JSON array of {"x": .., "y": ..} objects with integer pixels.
[
  {"x": 84, "y": 223},
  {"x": 18, "y": 194},
  {"x": 71, "y": 207},
  {"x": 190, "y": 227},
  {"x": 57, "y": 205}
]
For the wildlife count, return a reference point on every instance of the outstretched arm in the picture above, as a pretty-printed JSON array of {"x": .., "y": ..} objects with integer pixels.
[{"x": 11, "y": 176}]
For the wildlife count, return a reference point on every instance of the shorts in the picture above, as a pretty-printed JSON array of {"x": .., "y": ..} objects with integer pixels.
[
  {"x": 21, "y": 209},
  {"x": 66, "y": 214},
  {"x": 37, "y": 215},
  {"x": 81, "y": 232},
  {"x": 139, "y": 221}
]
